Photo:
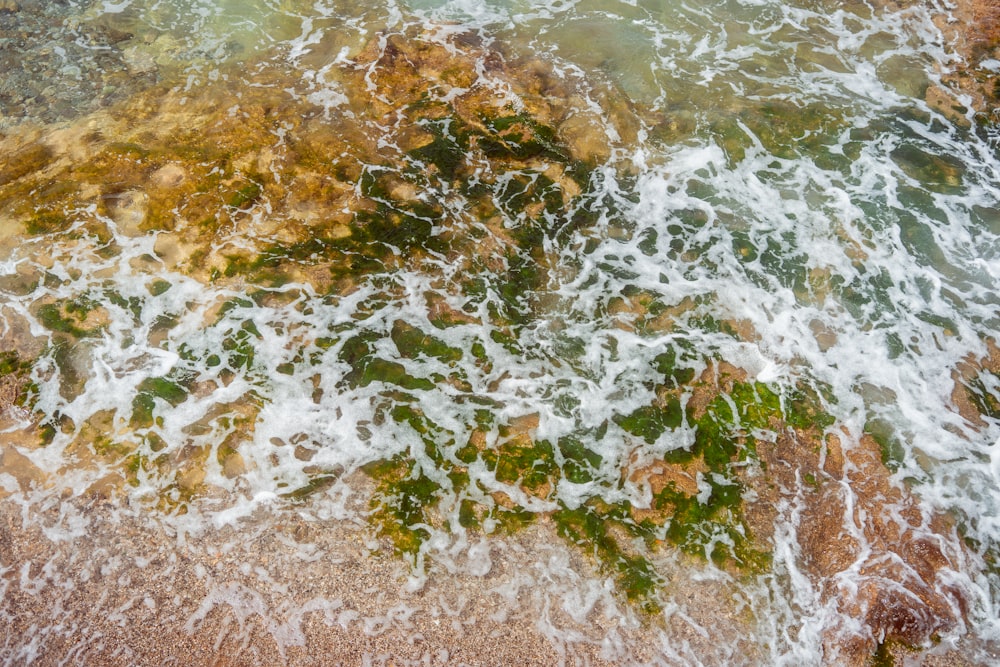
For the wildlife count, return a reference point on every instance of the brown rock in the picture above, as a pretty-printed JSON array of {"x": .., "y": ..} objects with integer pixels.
[
  {"x": 128, "y": 210},
  {"x": 585, "y": 137},
  {"x": 966, "y": 376},
  {"x": 976, "y": 36},
  {"x": 20, "y": 467},
  {"x": 895, "y": 550}
]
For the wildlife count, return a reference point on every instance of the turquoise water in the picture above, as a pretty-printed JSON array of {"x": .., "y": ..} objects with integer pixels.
[{"x": 764, "y": 184}]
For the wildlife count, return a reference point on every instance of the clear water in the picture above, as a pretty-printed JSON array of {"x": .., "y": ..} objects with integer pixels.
[{"x": 780, "y": 189}]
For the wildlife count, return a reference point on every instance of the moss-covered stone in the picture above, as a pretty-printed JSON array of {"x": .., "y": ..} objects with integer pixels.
[
  {"x": 15, "y": 382},
  {"x": 588, "y": 527},
  {"x": 982, "y": 391},
  {"x": 705, "y": 519}
]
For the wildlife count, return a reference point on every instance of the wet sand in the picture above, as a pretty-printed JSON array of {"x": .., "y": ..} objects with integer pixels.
[
  {"x": 284, "y": 587},
  {"x": 278, "y": 589}
]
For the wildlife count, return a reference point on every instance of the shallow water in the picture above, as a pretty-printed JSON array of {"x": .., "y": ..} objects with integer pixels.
[{"x": 756, "y": 183}]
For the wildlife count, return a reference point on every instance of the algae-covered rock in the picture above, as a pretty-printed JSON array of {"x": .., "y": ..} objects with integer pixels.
[
  {"x": 976, "y": 395},
  {"x": 251, "y": 179},
  {"x": 433, "y": 147}
]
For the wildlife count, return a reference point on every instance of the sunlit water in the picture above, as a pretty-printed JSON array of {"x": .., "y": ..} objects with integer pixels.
[{"x": 784, "y": 194}]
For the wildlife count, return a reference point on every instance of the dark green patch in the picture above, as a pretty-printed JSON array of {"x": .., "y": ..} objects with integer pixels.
[
  {"x": 936, "y": 171},
  {"x": 158, "y": 287},
  {"x": 413, "y": 343},
  {"x": 240, "y": 346},
  {"x": 891, "y": 448},
  {"x": 67, "y": 317},
  {"x": 716, "y": 523},
  {"x": 521, "y": 137},
  {"x": 524, "y": 462},
  {"x": 982, "y": 391},
  {"x": 883, "y": 656},
  {"x": 367, "y": 368},
  {"x": 14, "y": 373},
  {"x": 403, "y": 500},
  {"x": 651, "y": 421},
  {"x": 46, "y": 223},
  {"x": 676, "y": 375},
  {"x": 444, "y": 152},
  {"x": 579, "y": 462},
  {"x": 148, "y": 391},
  {"x": 12, "y": 364},
  {"x": 314, "y": 485},
  {"x": 245, "y": 195}
]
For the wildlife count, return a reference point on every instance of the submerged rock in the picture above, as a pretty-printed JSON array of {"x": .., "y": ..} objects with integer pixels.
[
  {"x": 862, "y": 539},
  {"x": 237, "y": 172},
  {"x": 868, "y": 546},
  {"x": 973, "y": 27}
]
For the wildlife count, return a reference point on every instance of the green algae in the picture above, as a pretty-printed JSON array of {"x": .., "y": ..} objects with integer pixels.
[
  {"x": 412, "y": 501},
  {"x": 245, "y": 195},
  {"x": 891, "y": 448},
  {"x": 651, "y": 421},
  {"x": 12, "y": 364},
  {"x": 588, "y": 527},
  {"x": 882, "y": 657},
  {"x": 316, "y": 484},
  {"x": 445, "y": 151},
  {"x": 403, "y": 500},
  {"x": 888, "y": 651},
  {"x": 147, "y": 393},
  {"x": 522, "y": 462},
  {"x": 240, "y": 346},
  {"x": 367, "y": 368},
  {"x": 46, "y": 222},
  {"x": 159, "y": 286},
  {"x": 69, "y": 317},
  {"x": 982, "y": 392},
  {"x": 674, "y": 373},
  {"x": 16, "y": 387},
  {"x": 580, "y": 463},
  {"x": 413, "y": 343}
]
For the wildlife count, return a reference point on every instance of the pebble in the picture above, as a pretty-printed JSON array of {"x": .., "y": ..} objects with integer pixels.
[
  {"x": 169, "y": 176},
  {"x": 129, "y": 210},
  {"x": 9, "y": 6}
]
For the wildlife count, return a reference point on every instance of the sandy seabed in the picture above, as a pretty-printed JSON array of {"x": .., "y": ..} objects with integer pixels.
[{"x": 283, "y": 587}]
